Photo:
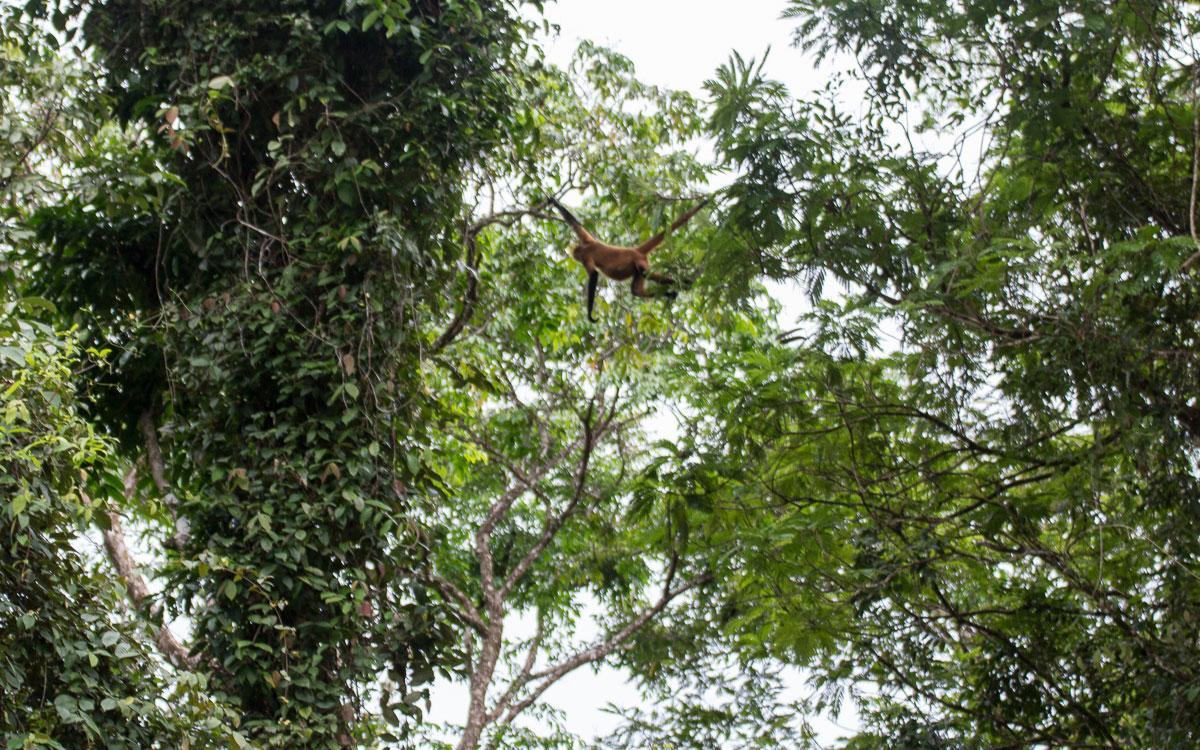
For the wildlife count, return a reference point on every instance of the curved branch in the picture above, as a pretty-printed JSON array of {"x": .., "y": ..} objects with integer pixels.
[
  {"x": 552, "y": 524},
  {"x": 467, "y": 610},
  {"x": 135, "y": 586},
  {"x": 137, "y": 590},
  {"x": 471, "y": 233},
  {"x": 549, "y": 676},
  {"x": 471, "y": 299}
]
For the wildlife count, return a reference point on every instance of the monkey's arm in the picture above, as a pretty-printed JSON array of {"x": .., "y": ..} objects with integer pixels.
[
  {"x": 580, "y": 232},
  {"x": 657, "y": 239},
  {"x": 593, "y": 278}
]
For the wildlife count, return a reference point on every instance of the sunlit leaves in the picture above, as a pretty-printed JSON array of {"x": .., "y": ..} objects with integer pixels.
[{"x": 77, "y": 669}]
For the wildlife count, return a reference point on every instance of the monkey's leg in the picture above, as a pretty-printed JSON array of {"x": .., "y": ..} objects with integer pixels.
[
  {"x": 639, "y": 284},
  {"x": 593, "y": 277},
  {"x": 665, "y": 281}
]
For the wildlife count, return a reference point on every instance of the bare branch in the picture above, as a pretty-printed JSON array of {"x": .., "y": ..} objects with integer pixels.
[
  {"x": 553, "y": 524},
  {"x": 601, "y": 650},
  {"x": 510, "y": 216},
  {"x": 522, "y": 677},
  {"x": 135, "y": 585}
]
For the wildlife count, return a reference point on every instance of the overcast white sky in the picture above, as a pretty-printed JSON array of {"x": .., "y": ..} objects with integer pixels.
[
  {"x": 680, "y": 43},
  {"x": 677, "y": 44}
]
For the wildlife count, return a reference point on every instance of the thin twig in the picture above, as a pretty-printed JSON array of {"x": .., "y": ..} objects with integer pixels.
[{"x": 1195, "y": 176}]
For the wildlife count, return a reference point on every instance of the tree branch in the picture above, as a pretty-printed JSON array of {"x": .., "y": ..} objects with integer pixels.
[
  {"x": 158, "y": 473},
  {"x": 467, "y": 610},
  {"x": 137, "y": 590},
  {"x": 526, "y": 670},
  {"x": 510, "y": 216},
  {"x": 525, "y": 481},
  {"x": 471, "y": 298},
  {"x": 552, "y": 525},
  {"x": 599, "y": 651},
  {"x": 471, "y": 233}
]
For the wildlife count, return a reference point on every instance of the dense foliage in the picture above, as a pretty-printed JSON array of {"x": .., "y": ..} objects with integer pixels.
[
  {"x": 325, "y": 362},
  {"x": 76, "y": 670},
  {"x": 263, "y": 238},
  {"x": 992, "y": 517}
]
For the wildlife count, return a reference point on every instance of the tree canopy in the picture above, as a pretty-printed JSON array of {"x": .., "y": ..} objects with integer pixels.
[
  {"x": 301, "y": 414},
  {"x": 991, "y": 520}
]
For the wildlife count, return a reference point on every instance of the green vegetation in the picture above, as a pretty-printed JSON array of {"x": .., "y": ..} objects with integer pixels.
[{"x": 300, "y": 413}]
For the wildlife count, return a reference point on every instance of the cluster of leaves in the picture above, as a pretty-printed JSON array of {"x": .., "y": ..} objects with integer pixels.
[
  {"x": 262, "y": 236},
  {"x": 995, "y": 521},
  {"x": 75, "y": 669},
  {"x": 715, "y": 702}
]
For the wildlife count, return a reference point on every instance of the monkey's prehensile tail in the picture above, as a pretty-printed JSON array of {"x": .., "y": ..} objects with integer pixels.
[{"x": 583, "y": 234}]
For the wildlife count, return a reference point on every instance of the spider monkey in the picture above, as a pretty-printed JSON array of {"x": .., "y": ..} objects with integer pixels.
[{"x": 619, "y": 263}]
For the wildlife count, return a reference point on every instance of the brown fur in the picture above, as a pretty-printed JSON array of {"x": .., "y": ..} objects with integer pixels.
[{"x": 616, "y": 262}]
